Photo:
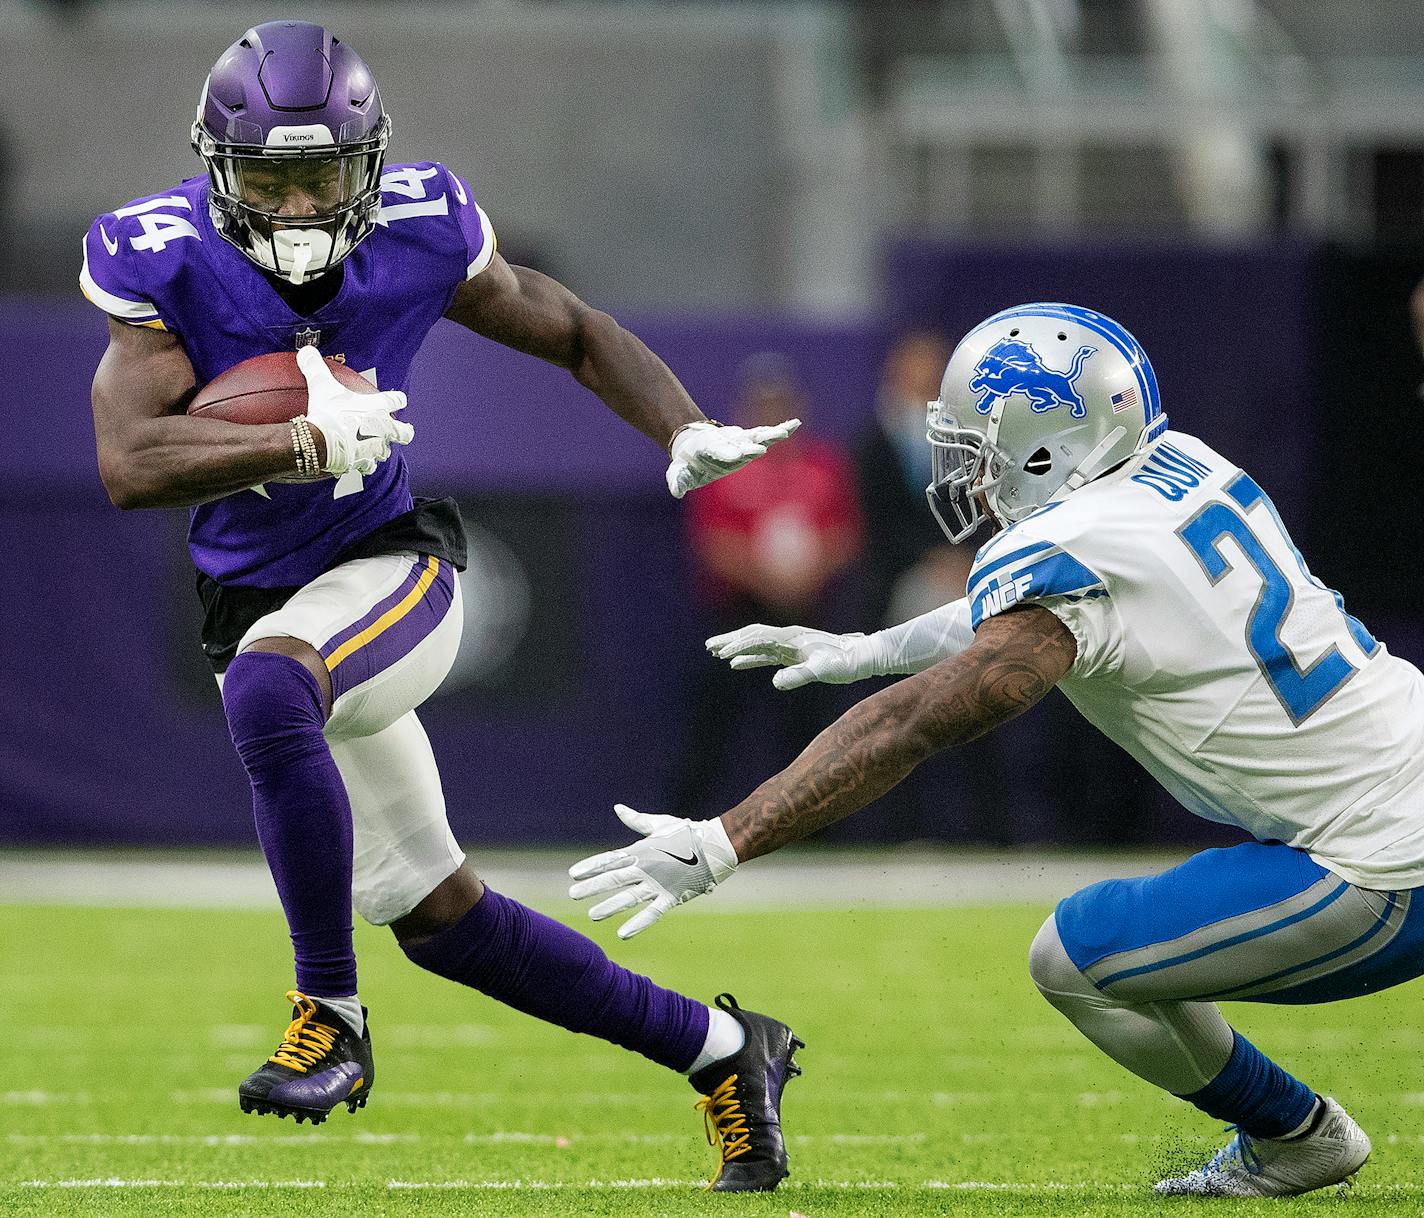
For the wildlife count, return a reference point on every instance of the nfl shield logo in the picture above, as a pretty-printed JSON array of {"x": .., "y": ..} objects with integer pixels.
[{"x": 308, "y": 338}]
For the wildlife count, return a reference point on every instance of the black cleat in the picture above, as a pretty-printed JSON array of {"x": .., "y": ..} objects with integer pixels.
[
  {"x": 741, "y": 1102},
  {"x": 320, "y": 1063}
]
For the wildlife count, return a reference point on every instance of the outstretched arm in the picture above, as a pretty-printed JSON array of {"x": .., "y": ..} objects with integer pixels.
[
  {"x": 532, "y": 313},
  {"x": 1016, "y": 658},
  {"x": 806, "y": 655}
]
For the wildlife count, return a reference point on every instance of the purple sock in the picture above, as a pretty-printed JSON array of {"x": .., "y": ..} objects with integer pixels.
[
  {"x": 541, "y": 967},
  {"x": 303, "y": 816}
]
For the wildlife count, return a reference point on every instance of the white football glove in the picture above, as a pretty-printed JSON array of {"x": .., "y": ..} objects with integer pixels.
[
  {"x": 806, "y": 655},
  {"x": 677, "y": 860},
  {"x": 703, "y": 452},
  {"x": 358, "y": 427}
]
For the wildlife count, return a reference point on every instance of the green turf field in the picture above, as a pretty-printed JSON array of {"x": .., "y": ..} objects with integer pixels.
[{"x": 937, "y": 1082}]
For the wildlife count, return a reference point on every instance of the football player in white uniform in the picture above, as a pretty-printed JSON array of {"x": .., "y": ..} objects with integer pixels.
[{"x": 1153, "y": 582}]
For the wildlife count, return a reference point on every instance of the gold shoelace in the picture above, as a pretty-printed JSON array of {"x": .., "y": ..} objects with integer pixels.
[
  {"x": 724, "y": 1121},
  {"x": 304, "y": 1042}
]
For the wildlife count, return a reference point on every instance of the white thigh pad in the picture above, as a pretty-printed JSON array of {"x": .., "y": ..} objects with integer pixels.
[{"x": 387, "y": 628}]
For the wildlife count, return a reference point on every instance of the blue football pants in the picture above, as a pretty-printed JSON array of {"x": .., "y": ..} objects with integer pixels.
[{"x": 1139, "y": 964}]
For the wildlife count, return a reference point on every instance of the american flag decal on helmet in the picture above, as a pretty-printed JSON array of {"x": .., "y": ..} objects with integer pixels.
[{"x": 1125, "y": 400}]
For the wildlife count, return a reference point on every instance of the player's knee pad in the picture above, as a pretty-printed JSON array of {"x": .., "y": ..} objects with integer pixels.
[
  {"x": 1056, "y": 976},
  {"x": 381, "y": 897},
  {"x": 273, "y": 707}
]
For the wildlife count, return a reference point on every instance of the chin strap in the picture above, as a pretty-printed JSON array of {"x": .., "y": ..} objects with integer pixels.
[
  {"x": 1093, "y": 464},
  {"x": 301, "y": 259}
]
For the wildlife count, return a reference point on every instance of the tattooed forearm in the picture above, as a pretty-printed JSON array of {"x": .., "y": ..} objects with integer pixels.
[{"x": 1014, "y": 661}]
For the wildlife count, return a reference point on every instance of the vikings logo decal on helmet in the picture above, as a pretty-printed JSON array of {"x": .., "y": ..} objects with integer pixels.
[{"x": 291, "y": 128}]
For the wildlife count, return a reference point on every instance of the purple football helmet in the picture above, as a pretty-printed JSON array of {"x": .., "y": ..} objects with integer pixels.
[{"x": 291, "y": 128}]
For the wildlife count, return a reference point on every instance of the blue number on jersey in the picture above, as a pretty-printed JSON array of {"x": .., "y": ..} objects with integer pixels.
[{"x": 1301, "y": 692}]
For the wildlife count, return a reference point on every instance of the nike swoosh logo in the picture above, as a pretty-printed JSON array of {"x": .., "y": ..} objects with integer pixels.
[
  {"x": 111, "y": 246},
  {"x": 692, "y": 862}
]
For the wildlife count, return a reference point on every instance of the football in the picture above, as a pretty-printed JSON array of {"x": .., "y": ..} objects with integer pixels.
[{"x": 266, "y": 389}]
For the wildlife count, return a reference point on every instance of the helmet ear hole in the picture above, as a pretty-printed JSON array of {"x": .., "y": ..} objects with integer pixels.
[{"x": 1040, "y": 463}]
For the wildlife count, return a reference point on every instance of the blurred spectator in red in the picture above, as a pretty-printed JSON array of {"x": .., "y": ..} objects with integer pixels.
[
  {"x": 910, "y": 568},
  {"x": 769, "y": 539},
  {"x": 767, "y": 543}
]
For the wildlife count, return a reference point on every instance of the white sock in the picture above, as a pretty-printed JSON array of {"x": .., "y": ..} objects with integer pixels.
[
  {"x": 349, "y": 1008},
  {"x": 1305, "y": 1124},
  {"x": 724, "y": 1037}
]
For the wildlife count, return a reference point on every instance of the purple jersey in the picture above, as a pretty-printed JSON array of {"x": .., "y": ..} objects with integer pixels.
[{"x": 158, "y": 262}]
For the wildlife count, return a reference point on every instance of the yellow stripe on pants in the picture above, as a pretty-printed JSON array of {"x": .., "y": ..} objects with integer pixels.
[{"x": 389, "y": 618}]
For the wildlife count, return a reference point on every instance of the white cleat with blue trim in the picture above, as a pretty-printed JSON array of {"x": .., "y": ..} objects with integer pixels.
[{"x": 1331, "y": 1153}]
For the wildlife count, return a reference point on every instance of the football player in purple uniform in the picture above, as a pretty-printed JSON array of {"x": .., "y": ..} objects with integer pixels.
[{"x": 332, "y": 609}]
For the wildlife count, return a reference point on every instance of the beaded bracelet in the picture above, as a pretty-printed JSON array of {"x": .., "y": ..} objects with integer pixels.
[
  {"x": 304, "y": 447},
  {"x": 301, "y": 456},
  {"x": 309, "y": 446}
]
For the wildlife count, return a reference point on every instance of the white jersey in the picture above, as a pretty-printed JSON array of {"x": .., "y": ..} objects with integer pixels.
[{"x": 1209, "y": 652}]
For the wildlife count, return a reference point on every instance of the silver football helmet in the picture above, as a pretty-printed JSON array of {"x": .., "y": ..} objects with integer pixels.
[{"x": 1036, "y": 402}]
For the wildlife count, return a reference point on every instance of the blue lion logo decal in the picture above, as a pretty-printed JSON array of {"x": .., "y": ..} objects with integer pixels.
[{"x": 1012, "y": 366}]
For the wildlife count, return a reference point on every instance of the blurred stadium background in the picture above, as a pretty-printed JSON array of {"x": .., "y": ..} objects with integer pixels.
[
  {"x": 774, "y": 196},
  {"x": 799, "y": 206}
]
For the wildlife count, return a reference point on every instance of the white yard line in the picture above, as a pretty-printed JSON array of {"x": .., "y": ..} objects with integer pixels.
[
  {"x": 485, "y": 1099},
  {"x": 515, "y": 1137},
  {"x": 297, "y": 1140},
  {"x": 583, "y": 1099},
  {"x": 543, "y": 1185},
  {"x": 509, "y": 1137},
  {"x": 650, "y": 1182},
  {"x": 117, "y": 1182},
  {"x": 856, "y": 879},
  {"x": 37, "y": 1099},
  {"x": 476, "y": 1099}
]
